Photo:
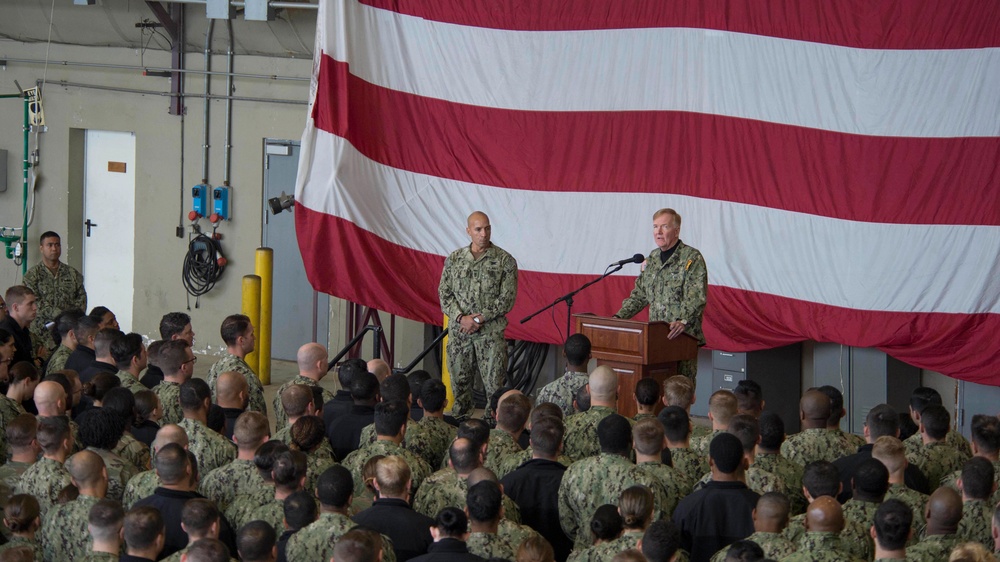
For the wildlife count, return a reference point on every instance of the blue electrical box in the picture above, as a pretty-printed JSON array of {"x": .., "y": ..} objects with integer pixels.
[
  {"x": 220, "y": 202},
  {"x": 199, "y": 199}
]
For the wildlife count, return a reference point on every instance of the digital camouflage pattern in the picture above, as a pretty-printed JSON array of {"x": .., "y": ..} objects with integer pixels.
[
  {"x": 316, "y": 464},
  {"x": 280, "y": 417},
  {"x": 429, "y": 438},
  {"x": 120, "y": 471},
  {"x": 580, "y": 439},
  {"x": 139, "y": 487},
  {"x": 604, "y": 552},
  {"x": 823, "y": 547},
  {"x": 775, "y": 546},
  {"x": 675, "y": 485},
  {"x": 271, "y": 512},
  {"x": 790, "y": 472},
  {"x": 639, "y": 417},
  {"x": 757, "y": 479},
  {"x": 130, "y": 382},
  {"x": 10, "y": 475},
  {"x": 861, "y": 512},
  {"x": 515, "y": 533},
  {"x": 211, "y": 449},
  {"x": 934, "y": 548},
  {"x": 854, "y": 539},
  {"x": 953, "y": 438},
  {"x": 134, "y": 451},
  {"x": 700, "y": 444},
  {"x": 562, "y": 391},
  {"x": 15, "y": 541},
  {"x": 816, "y": 444},
  {"x": 226, "y": 483},
  {"x": 241, "y": 509},
  {"x": 9, "y": 409},
  {"x": 169, "y": 394},
  {"x": 316, "y": 540},
  {"x": 912, "y": 498},
  {"x": 853, "y": 440},
  {"x": 176, "y": 557},
  {"x": 445, "y": 488},
  {"x": 57, "y": 292},
  {"x": 688, "y": 464},
  {"x": 255, "y": 392},
  {"x": 512, "y": 462},
  {"x": 355, "y": 462},
  {"x": 936, "y": 460},
  {"x": 57, "y": 361},
  {"x": 595, "y": 481},
  {"x": 487, "y": 286},
  {"x": 100, "y": 557},
  {"x": 952, "y": 481},
  {"x": 491, "y": 545},
  {"x": 44, "y": 480},
  {"x": 976, "y": 523},
  {"x": 64, "y": 535},
  {"x": 501, "y": 446}
]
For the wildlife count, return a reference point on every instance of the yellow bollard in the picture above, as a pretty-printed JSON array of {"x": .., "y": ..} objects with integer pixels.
[
  {"x": 445, "y": 377},
  {"x": 265, "y": 270},
  {"x": 251, "y": 307}
]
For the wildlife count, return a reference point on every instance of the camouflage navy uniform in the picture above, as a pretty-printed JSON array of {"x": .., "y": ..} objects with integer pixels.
[
  {"x": 169, "y": 393},
  {"x": 976, "y": 523},
  {"x": 675, "y": 485},
  {"x": 853, "y": 440},
  {"x": 700, "y": 444},
  {"x": 9, "y": 409},
  {"x": 953, "y": 438},
  {"x": 11, "y": 472},
  {"x": 140, "y": 486},
  {"x": 315, "y": 541},
  {"x": 854, "y": 539},
  {"x": 639, "y": 417},
  {"x": 316, "y": 464},
  {"x": 15, "y": 541},
  {"x": 280, "y": 417},
  {"x": 502, "y": 446},
  {"x": 861, "y": 512},
  {"x": 815, "y": 444},
  {"x": 674, "y": 290},
  {"x": 64, "y": 535},
  {"x": 580, "y": 439},
  {"x": 241, "y": 509},
  {"x": 936, "y": 461},
  {"x": 823, "y": 547},
  {"x": 562, "y": 391},
  {"x": 130, "y": 382},
  {"x": 272, "y": 513},
  {"x": 790, "y": 472},
  {"x": 445, "y": 488},
  {"x": 133, "y": 451},
  {"x": 491, "y": 545},
  {"x": 212, "y": 449},
  {"x": 255, "y": 390},
  {"x": 100, "y": 557},
  {"x": 57, "y": 292},
  {"x": 607, "y": 550},
  {"x": 760, "y": 481},
  {"x": 355, "y": 462},
  {"x": 934, "y": 548},
  {"x": 689, "y": 464},
  {"x": 488, "y": 286},
  {"x": 120, "y": 471},
  {"x": 176, "y": 557},
  {"x": 512, "y": 462},
  {"x": 226, "y": 483},
  {"x": 44, "y": 480},
  {"x": 595, "y": 481},
  {"x": 952, "y": 482},
  {"x": 57, "y": 361},
  {"x": 515, "y": 533},
  {"x": 914, "y": 499},
  {"x": 429, "y": 438},
  {"x": 774, "y": 545}
]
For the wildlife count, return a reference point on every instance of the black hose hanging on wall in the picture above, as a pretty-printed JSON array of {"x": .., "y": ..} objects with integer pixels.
[{"x": 203, "y": 265}]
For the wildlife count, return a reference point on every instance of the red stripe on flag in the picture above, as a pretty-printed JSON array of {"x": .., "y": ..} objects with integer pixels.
[
  {"x": 867, "y": 24},
  {"x": 351, "y": 263},
  {"x": 852, "y": 177}
]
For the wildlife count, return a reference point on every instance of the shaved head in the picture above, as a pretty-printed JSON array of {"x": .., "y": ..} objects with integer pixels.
[
  {"x": 943, "y": 511},
  {"x": 825, "y": 515},
  {"x": 477, "y": 215},
  {"x": 379, "y": 368},
  {"x": 771, "y": 513},
  {"x": 815, "y": 407},
  {"x": 481, "y": 474},
  {"x": 603, "y": 383},
  {"x": 228, "y": 387},
  {"x": 170, "y": 433},
  {"x": 310, "y": 355},
  {"x": 86, "y": 468},
  {"x": 48, "y": 394}
]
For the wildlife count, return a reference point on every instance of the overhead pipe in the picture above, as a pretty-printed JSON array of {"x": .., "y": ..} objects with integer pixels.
[
  {"x": 68, "y": 84},
  {"x": 208, "y": 102},
  {"x": 278, "y": 4},
  {"x": 229, "y": 108},
  {"x": 148, "y": 69}
]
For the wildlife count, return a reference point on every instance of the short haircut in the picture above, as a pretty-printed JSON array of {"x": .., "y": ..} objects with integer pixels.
[
  {"x": 263, "y": 457},
  {"x": 484, "y": 501},
  {"x": 606, "y": 523},
  {"x": 251, "y": 429},
  {"x": 124, "y": 348},
  {"x": 679, "y": 391},
  {"x": 882, "y": 420},
  {"x": 936, "y": 420},
  {"x": 233, "y": 327},
  {"x": 21, "y": 430},
  {"x": 676, "y": 423},
  {"x": 722, "y": 406},
  {"x": 986, "y": 433},
  {"x": 172, "y": 356},
  {"x": 392, "y": 474},
  {"x": 647, "y": 391},
  {"x": 772, "y": 431},
  {"x": 142, "y": 526},
  {"x": 300, "y": 509},
  {"x": 100, "y": 385},
  {"x": 173, "y": 323},
  {"x": 836, "y": 402},
  {"x": 307, "y": 433},
  {"x": 474, "y": 430},
  {"x": 171, "y": 462},
  {"x": 513, "y": 412},
  {"x": 335, "y": 486},
  {"x": 871, "y": 479},
  {"x": 255, "y": 541},
  {"x": 464, "y": 455},
  {"x": 545, "y": 410},
  {"x": 777, "y": 503},
  {"x": 614, "y": 433},
  {"x": 535, "y": 549},
  {"x": 86, "y": 327},
  {"x": 451, "y": 522},
  {"x": 207, "y": 550},
  {"x": 349, "y": 372},
  {"x": 198, "y": 514},
  {"x": 433, "y": 395},
  {"x": 977, "y": 478},
  {"x": 16, "y": 294},
  {"x": 893, "y": 519},
  {"x": 47, "y": 234},
  {"x": 51, "y": 433},
  {"x": 891, "y": 452},
  {"x": 20, "y": 512},
  {"x": 390, "y": 417},
  {"x": 289, "y": 468},
  {"x": 100, "y": 428},
  {"x": 668, "y": 211},
  {"x": 744, "y": 551},
  {"x": 661, "y": 541},
  {"x": 923, "y": 396},
  {"x": 153, "y": 352},
  {"x": 749, "y": 396},
  {"x": 395, "y": 387},
  {"x": 417, "y": 379},
  {"x": 357, "y": 545},
  {"x": 582, "y": 398},
  {"x": 647, "y": 435},
  {"x": 726, "y": 452},
  {"x": 364, "y": 387},
  {"x": 546, "y": 436},
  {"x": 636, "y": 506},
  {"x": 746, "y": 429},
  {"x": 67, "y": 320},
  {"x": 104, "y": 339},
  {"x": 193, "y": 394},
  {"x": 106, "y": 518},
  {"x": 296, "y": 399},
  {"x": 577, "y": 349},
  {"x": 821, "y": 478}
]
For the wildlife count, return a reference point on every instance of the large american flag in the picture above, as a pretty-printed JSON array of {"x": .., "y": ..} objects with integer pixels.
[{"x": 837, "y": 163}]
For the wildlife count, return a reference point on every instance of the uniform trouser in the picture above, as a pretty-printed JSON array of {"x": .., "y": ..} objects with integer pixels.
[
  {"x": 486, "y": 355},
  {"x": 689, "y": 369}
]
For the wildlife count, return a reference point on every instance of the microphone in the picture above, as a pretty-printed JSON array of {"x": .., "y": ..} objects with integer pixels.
[{"x": 638, "y": 258}]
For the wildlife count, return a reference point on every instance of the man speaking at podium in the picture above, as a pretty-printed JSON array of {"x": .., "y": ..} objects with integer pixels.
[{"x": 673, "y": 283}]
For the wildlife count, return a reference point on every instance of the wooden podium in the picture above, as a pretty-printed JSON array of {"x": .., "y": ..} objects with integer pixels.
[{"x": 635, "y": 350}]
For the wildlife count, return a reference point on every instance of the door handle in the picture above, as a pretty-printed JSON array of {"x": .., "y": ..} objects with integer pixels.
[{"x": 89, "y": 225}]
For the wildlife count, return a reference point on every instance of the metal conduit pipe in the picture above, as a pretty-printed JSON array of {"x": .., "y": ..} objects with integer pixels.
[
  {"x": 208, "y": 101},
  {"x": 277, "y": 4},
  {"x": 155, "y": 69},
  {"x": 67, "y": 84},
  {"x": 229, "y": 107}
]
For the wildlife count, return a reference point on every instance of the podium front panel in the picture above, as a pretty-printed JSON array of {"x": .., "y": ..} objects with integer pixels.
[{"x": 614, "y": 343}]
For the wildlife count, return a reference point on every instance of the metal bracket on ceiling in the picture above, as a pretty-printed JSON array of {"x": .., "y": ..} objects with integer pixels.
[{"x": 173, "y": 23}]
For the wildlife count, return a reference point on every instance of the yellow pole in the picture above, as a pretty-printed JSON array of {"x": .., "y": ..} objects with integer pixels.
[
  {"x": 445, "y": 377},
  {"x": 251, "y": 307},
  {"x": 265, "y": 270}
]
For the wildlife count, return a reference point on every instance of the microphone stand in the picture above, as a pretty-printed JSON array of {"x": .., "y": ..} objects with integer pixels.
[{"x": 568, "y": 298}]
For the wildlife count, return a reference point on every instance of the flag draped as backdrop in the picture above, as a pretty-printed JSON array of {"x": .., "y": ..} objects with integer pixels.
[{"x": 835, "y": 162}]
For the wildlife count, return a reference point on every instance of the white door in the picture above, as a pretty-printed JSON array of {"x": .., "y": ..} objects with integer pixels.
[{"x": 109, "y": 222}]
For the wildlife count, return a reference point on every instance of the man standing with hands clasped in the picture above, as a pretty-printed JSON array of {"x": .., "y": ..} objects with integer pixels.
[
  {"x": 477, "y": 290},
  {"x": 673, "y": 283}
]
